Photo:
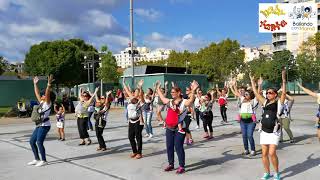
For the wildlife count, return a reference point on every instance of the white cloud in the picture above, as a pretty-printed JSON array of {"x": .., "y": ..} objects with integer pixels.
[
  {"x": 46, "y": 26},
  {"x": 100, "y": 19},
  {"x": 149, "y": 14},
  {"x": 178, "y": 43},
  {"x": 34, "y": 21}
]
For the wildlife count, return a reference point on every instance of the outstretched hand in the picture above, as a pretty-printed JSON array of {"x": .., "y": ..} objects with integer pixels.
[
  {"x": 194, "y": 85},
  {"x": 50, "y": 79},
  {"x": 108, "y": 93},
  {"x": 140, "y": 83},
  {"x": 260, "y": 81},
  {"x": 35, "y": 80}
]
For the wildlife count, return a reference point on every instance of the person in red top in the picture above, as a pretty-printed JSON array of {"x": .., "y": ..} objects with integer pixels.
[{"x": 223, "y": 102}]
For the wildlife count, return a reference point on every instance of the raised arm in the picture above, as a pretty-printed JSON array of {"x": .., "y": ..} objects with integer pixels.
[
  {"x": 126, "y": 89},
  {"x": 284, "y": 88},
  {"x": 308, "y": 91},
  {"x": 87, "y": 104},
  {"x": 259, "y": 97},
  {"x": 260, "y": 81},
  {"x": 234, "y": 88},
  {"x": 166, "y": 88},
  {"x": 108, "y": 94},
  {"x": 36, "y": 88},
  {"x": 47, "y": 93},
  {"x": 55, "y": 108},
  {"x": 64, "y": 110},
  {"x": 141, "y": 94},
  {"x": 194, "y": 86},
  {"x": 161, "y": 95},
  {"x": 218, "y": 90}
]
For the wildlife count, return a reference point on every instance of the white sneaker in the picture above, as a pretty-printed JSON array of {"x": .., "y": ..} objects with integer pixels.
[
  {"x": 150, "y": 136},
  {"x": 41, "y": 163},
  {"x": 146, "y": 135},
  {"x": 34, "y": 162}
]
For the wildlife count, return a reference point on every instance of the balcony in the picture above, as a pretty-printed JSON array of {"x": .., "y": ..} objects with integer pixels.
[{"x": 279, "y": 38}]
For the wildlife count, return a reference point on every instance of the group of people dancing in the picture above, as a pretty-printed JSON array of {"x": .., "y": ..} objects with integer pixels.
[{"x": 181, "y": 108}]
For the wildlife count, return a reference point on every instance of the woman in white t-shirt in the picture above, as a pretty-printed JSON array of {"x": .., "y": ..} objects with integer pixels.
[
  {"x": 317, "y": 96},
  {"x": 247, "y": 107},
  {"x": 40, "y": 132}
]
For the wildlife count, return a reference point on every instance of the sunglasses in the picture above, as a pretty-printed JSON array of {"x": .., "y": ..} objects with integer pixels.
[{"x": 269, "y": 92}]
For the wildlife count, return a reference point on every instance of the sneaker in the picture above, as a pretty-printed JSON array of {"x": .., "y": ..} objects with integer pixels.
[
  {"x": 252, "y": 153},
  {"x": 292, "y": 141},
  {"x": 41, "y": 163},
  {"x": 169, "y": 168},
  {"x": 266, "y": 176},
  {"x": 63, "y": 139},
  {"x": 246, "y": 152},
  {"x": 181, "y": 131},
  {"x": 34, "y": 162},
  {"x": 180, "y": 170},
  {"x": 150, "y": 136},
  {"x": 276, "y": 176},
  {"x": 146, "y": 135},
  {"x": 103, "y": 149},
  {"x": 138, "y": 156},
  {"x": 99, "y": 149}
]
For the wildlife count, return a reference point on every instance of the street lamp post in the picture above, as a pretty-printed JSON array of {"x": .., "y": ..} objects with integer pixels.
[
  {"x": 131, "y": 41},
  {"x": 87, "y": 66},
  {"x": 101, "y": 83}
]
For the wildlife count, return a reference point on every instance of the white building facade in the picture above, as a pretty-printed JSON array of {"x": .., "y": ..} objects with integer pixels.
[{"x": 144, "y": 54}]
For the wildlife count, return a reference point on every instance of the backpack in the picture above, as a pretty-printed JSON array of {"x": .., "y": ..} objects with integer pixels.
[
  {"x": 134, "y": 111},
  {"x": 172, "y": 118},
  {"x": 38, "y": 117}
]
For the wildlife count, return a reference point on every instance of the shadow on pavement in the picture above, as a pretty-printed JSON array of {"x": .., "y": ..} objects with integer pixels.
[{"x": 301, "y": 167}]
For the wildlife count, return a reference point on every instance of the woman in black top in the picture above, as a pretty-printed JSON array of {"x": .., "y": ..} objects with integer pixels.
[{"x": 270, "y": 135}]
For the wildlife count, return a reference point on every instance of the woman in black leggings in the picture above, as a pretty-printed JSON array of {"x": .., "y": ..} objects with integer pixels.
[{"x": 206, "y": 115}]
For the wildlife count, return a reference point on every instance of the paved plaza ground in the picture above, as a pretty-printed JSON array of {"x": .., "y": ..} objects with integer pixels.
[{"x": 219, "y": 158}]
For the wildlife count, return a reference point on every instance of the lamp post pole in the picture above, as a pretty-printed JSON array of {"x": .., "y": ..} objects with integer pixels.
[{"x": 131, "y": 41}]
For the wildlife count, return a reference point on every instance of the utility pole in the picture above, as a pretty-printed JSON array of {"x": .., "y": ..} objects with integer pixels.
[{"x": 131, "y": 42}]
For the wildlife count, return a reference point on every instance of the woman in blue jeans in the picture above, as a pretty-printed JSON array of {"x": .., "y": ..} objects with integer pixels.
[
  {"x": 175, "y": 139},
  {"x": 40, "y": 132},
  {"x": 147, "y": 112},
  {"x": 247, "y": 106}
]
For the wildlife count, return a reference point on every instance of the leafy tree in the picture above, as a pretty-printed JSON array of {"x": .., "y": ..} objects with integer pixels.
[
  {"x": 108, "y": 70},
  {"x": 3, "y": 65},
  {"x": 270, "y": 68},
  {"x": 61, "y": 58},
  {"x": 218, "y": 60},
  {"x": 309, "y": 59}
]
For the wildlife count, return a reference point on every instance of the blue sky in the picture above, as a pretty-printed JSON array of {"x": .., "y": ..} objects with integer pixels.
[{"x": 174, "y": 24}]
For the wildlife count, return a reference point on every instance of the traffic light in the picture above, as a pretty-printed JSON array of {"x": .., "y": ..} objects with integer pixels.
[{"x": 134, "y": 52}]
